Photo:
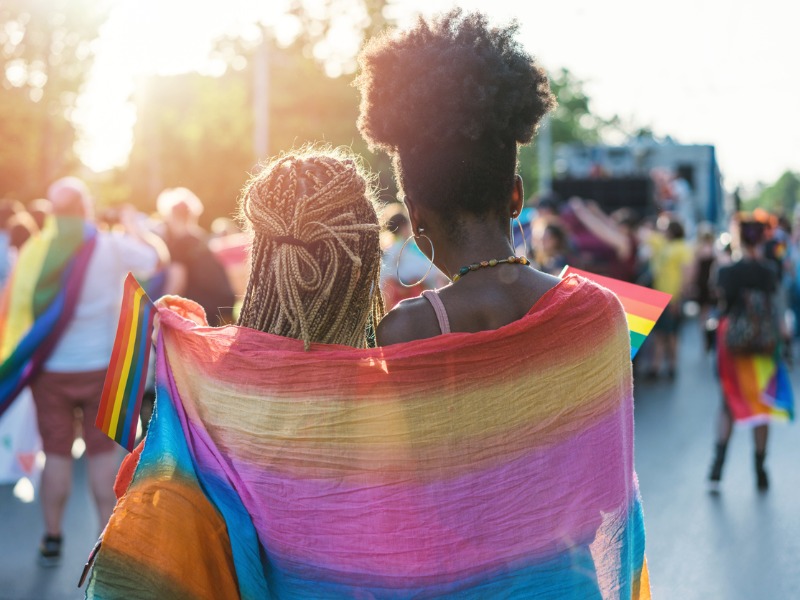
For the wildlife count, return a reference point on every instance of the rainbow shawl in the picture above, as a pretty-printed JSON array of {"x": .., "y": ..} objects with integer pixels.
[
  {"x": 496, "y": 464},
  {"x": 40, "y": 298},
  {"x": 756, "y": 387}
]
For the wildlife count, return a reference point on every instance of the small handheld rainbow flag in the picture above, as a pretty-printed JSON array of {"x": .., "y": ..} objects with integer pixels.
[
  {"x": 121, "y": 401},
  {"x": 642, "y": 305}
]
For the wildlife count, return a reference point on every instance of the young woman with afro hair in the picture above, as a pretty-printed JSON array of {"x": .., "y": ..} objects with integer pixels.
[{"x": 451, "y": 100}]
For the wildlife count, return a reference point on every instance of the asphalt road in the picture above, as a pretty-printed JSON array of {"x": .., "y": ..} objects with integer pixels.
[{"x": 738, "y": 545}]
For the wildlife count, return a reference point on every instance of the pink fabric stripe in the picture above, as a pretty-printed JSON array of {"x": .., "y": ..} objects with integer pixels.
[
  {"x": 432, "y": 296},
  {"x": 430, "y": 520}
]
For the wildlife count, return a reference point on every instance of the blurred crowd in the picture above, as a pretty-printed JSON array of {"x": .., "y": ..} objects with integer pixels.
[
  {"x": 652, "y": 249},
  {"x": 211, "y": 266},
  {"x": 207, "y": 265},
  {"x": 170, "y": 253}
]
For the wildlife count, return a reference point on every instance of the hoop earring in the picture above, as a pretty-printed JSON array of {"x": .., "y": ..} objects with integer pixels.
[
  {"x": 400, "y": 254},
  {"x": 522, "y": 234}
]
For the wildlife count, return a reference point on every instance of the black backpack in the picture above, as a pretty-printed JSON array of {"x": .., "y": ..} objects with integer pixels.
[{"x": 752, "y": 324}]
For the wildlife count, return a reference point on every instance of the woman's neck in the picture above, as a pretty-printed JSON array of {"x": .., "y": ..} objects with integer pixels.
[{"x": 474, "y": 242}]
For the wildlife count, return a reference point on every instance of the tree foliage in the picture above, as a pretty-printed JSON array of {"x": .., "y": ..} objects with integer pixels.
[
  {"x": 45, "y": 56},
  {"x": 197, "y": 131},
  {"x": 572, "y": 121},
  {"x": 780, "y": 197}
]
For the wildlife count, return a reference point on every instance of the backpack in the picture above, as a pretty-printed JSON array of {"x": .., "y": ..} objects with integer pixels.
[{"x": 752, "y": 324}]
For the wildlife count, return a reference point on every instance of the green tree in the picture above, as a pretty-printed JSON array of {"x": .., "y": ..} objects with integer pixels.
[
  {"x": 192, "y": 131},
  {"x": 45, "y": 56},
  {"x": 572, "y": 121},
  {"x": 782, "y": 196},
  {"x": 197, "y": 131}
]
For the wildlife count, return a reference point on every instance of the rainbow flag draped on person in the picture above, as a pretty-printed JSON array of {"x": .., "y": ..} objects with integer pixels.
[
  {"x": 496, "y": 464},
  {"x": 40, "y": 298},
  {"x": 756, "y": 387}
]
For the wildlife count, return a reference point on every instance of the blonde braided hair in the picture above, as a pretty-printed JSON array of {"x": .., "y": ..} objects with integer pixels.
[{"x": 315, "y": 255}]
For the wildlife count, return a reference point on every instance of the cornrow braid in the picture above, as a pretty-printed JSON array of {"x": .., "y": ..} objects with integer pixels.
[{"x": 315, "y": 255}]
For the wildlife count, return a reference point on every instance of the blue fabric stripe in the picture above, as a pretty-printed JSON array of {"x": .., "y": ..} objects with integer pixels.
[{"x": 166, "y": 437}]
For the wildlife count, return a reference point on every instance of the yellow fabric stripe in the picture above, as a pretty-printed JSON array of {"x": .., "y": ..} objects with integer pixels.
[
  {"x": 764, "y": 367},
  {"x": 20, "y": 311},
  {"x": 126, "y": 365},
  {"x": 639, "y": 324},
  {"x": 325, "y": 426}
]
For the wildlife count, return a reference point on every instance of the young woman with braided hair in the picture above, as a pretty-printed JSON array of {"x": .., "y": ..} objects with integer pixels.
[{"x": 316, "y": 256}]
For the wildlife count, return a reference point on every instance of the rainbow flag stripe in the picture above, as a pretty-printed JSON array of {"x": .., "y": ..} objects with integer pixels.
[
  {"x": 39, "y": 300},
  {"x": 446, "y": 467},
  {"x": 121, "y": 401},
  {"x": 756, "y": 387},
  {"x": 643, "y": 306}
]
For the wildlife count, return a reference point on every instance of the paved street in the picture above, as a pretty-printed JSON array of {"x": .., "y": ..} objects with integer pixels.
[{"x": 740, "y": 545}]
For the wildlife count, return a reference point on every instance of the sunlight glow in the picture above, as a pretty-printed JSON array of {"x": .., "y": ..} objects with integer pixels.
[
  {"x": 146, "y": 37},
  {"x": 690, "y": 71}
]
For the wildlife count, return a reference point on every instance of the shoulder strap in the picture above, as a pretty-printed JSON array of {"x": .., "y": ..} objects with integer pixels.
[{"x": 441, "y": 314}]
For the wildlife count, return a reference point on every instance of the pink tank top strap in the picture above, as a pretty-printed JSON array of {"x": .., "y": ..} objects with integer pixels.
[{"x": 441, "y": 314}]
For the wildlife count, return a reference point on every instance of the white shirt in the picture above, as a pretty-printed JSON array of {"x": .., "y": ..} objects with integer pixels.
[{"x": 87, "y": 342}]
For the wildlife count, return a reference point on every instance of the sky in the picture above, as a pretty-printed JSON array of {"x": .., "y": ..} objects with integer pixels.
[{"x": 699, "y": 71}]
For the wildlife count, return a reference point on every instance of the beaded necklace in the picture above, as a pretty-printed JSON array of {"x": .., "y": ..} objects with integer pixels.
[{"x": 519, "y": 260}]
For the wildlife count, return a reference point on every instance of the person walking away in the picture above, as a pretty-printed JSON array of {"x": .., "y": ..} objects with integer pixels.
[
  {"x": 671, "y": 262},
  {"x": 194, "y": 272},
  {"x": 755, "y": 386},
  {"x": 71, "y": 380}
]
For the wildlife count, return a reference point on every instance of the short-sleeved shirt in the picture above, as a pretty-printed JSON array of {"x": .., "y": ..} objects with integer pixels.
[
  {"x": 669, "y": 262},
  {"x": 87, "y": 342}
]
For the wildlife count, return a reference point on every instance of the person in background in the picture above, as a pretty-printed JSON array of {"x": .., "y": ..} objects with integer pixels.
[
  {"x": 607, "y": 242},
  {"x": 755, "y": 386},
  {"x": 403, "y": 262},
  {"x": 551, "y": 248},
  {"x": 230, "y": 246},
  {"x": 21, "y": 226},
  {"x": 703, "y": 274},
  {"x": 194, "y": 271},
  {"x": 39, "y": 209},
  {"x": 671, "y": 263},
  {"x": 777, "y": 250},
  {"x": 67, "y": 391}
]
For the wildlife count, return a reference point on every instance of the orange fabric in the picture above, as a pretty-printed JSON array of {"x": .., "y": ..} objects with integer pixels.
[
  {"x": 126, "y": 471},
  {"x": 187, "y": 553}
]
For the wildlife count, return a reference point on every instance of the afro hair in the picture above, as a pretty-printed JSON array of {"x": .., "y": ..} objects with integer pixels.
[{"x": 450, "y": 100}]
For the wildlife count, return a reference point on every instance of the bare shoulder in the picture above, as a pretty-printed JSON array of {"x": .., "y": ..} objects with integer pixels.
[{"x": 412, "y": 319}]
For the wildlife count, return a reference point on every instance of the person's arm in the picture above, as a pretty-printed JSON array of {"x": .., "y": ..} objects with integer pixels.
[{"x": 602, "y": 229}]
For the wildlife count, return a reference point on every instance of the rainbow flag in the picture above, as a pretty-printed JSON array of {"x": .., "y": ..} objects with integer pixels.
[
  {"x": 121, "y": 402},
  {"x": 756, "y": 387},
  {"x": 39, "y": 300},
  {"x": 469, "y": 465},
  {"x": 643, "y": 306}
]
